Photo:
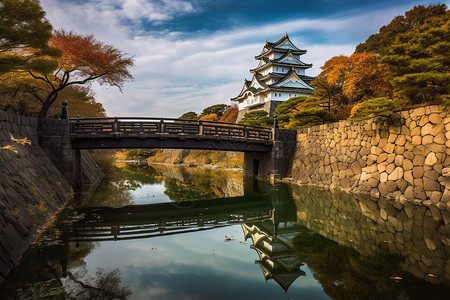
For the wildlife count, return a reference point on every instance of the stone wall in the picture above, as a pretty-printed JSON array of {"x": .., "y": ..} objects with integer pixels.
[
  {"x": 32, "y": 188},
  {"x": 407, "y": 158},
  {"x": 418, "y": 234}
]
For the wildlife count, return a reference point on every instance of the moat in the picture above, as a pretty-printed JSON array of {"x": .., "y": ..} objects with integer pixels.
[{"x": 163, "y": 232}]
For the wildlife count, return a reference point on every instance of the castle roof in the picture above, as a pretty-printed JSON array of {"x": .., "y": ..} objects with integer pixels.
[
  {"x": 283, "y": 44},
  {"x": 286, "y": 60},
  {"x": 291, "y": 81}
]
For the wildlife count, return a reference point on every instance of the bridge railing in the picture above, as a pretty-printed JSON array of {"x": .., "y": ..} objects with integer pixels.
[{"x": 145, "y": 125}]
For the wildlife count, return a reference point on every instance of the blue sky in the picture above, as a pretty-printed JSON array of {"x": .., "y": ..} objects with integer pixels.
[{"x": 193, "y": 54}]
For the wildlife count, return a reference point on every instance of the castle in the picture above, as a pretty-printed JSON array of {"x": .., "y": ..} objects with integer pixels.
[{"x": 279, "y": 76}]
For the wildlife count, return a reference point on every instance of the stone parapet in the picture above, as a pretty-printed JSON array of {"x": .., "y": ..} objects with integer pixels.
[{"x": 407, "y": 158}]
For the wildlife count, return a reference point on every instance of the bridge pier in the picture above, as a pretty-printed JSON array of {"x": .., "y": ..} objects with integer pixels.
[{"x": 273, "y": 165}]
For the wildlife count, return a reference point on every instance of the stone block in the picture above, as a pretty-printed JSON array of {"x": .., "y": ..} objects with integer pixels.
[
  {"x": 396, "y": 174},
  {"x": 419, "y": 160},
  {"x": 418, "y": 172},
  {"x": 425, "y": 130},
  {"x": 435, "y": 118},
  {"x": 408, "y": 176},
  {"x": 440, "y": 139},
  {"x": 416, "y": 140},
  {"x": 431, "y": 185},
  {"x": 428, "y": 139},
  {"x": 431, "y": 159}
]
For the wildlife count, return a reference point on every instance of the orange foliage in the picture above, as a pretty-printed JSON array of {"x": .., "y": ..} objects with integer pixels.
[
  {"x": 360, "y": 75},
  {"x": 366, "y": 79},
  {"x": 91, "y": 59},
  {"x": 210, "y": 117},
  {"x": 230, "y": 115},
  {"x": 84, "y": 59}
]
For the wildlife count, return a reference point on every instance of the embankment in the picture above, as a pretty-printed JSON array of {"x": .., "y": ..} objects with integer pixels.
[
  {"x": 32, "y": 188},
  {"x": 407, "y": 159}
]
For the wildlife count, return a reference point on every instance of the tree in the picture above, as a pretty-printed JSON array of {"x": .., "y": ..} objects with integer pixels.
[
  {"x": 83, "y": 61},
  {"x": 285, "y": 110},
  {"x": 366, "y": 78},
  {"x": 378, "y": 107},
  {"x": 210, "y": 117},
  {"x": 378, "y": 43},
  {"x": 420, "y": 62},
  {"x": 217, "y": 109},
  {"x": 309, "y": 117},
  {"x": 230, "y": 115},
  {"x": 257, "y": 117},
  {"x": 189, "y": 115},
  {"x": 24, "y": 33},
  {"x": 20, "y": 92}
]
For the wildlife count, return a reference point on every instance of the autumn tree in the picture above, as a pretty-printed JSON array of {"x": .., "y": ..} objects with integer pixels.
[
  {"x": 366, "y": 78},
  {"x": 83, "y": 61},
  {"x": 209, "y": 117},
  {"x": 230, "y": 115},
  {"x": 24, "y": 34}
]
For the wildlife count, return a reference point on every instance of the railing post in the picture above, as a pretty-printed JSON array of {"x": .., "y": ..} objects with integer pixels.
[
  {"x": 161, "y": 127},
  {"x": 64, "y": 111},
  {"x": 245, "y": 132},
  {"x": 200, "y": 128},
  {"x": 116, "y": 125}
]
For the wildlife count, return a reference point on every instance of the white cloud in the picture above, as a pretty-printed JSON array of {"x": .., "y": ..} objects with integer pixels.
[
  {"x": 154, "y": 10},
  {"x": 181, "y": 72}
]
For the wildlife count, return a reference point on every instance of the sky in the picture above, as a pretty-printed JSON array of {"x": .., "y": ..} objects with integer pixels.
[{"x": 191, "y": 54}]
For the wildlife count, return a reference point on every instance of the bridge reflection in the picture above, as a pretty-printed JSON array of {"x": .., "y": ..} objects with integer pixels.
[{"x": 146, "y": 221}]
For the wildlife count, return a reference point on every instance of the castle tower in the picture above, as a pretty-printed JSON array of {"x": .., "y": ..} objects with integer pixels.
[{"x": 279, "y": 76}]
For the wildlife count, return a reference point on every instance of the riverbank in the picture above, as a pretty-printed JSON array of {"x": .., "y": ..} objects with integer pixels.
[{"x": 32, "y": 189}]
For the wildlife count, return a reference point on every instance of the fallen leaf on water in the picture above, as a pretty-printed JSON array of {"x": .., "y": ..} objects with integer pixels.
[
  {"x": 396, "y": 278},
  {"x": 432, "y": 275}
]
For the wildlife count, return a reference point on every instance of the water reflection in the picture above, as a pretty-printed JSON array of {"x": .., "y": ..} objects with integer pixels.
[{"x": 255, "y": 241}]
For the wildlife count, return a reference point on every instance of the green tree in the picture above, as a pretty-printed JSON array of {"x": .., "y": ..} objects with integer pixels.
[
  {"x": 217, "y": 109},
  {"x": 309, "y": 117},
  {"x": 420, "y": 62},
  {"x": 257, "y": 117},
  {"x": 24, "y": 34},
  {"x": 381, "y": 41},
  {"x": 189, "y": 115},
  {"x": 374, "y": 108}
]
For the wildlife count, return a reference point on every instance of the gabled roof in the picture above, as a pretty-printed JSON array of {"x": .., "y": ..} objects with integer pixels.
[
  {"x": 292, "y": 80},
  {"x": 254, "y": 86},
  {"x": 287, "y": 60},
  {"x": 281, "y": 45}
]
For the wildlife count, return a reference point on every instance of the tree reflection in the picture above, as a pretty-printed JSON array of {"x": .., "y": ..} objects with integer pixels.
[{"x": 105, "y": 285}]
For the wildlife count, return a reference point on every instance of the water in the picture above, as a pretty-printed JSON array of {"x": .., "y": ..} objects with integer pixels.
[{"x": 158, "y": 232}]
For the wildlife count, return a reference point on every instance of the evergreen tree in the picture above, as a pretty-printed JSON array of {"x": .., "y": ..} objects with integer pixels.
[{"x": 420, "y": 62}]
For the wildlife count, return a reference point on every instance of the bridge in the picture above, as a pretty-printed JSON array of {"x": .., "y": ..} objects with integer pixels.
[
  {"x": 169, "y": 133},
  {"x": 267, "y": 151}
]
